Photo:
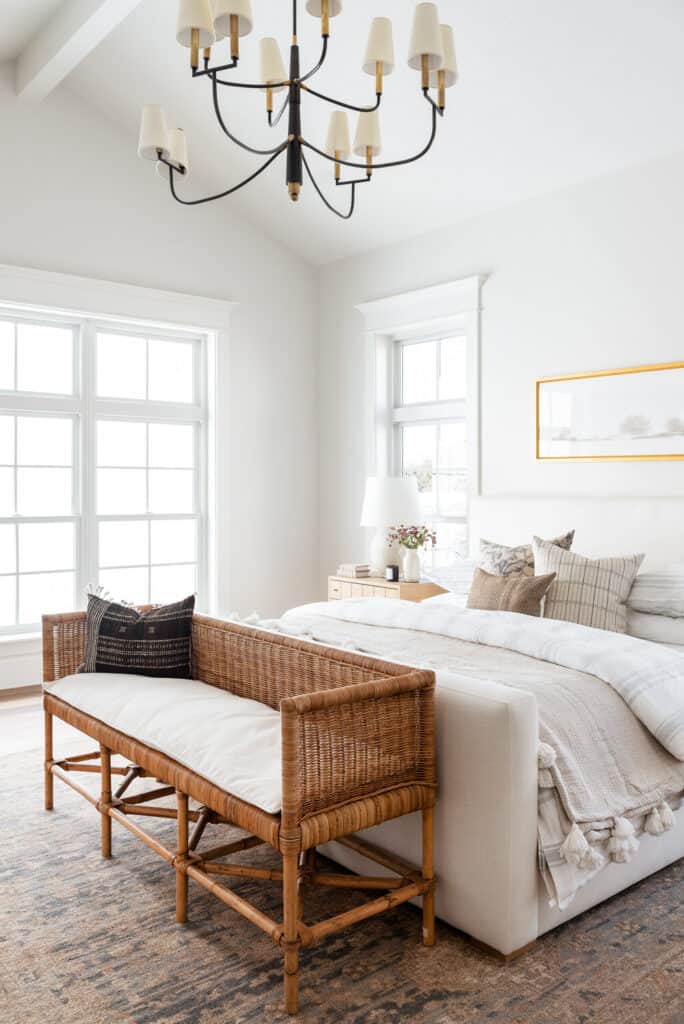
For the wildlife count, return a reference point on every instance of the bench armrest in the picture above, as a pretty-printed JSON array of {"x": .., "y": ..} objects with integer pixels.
[
  {"x": 63, "y": 644},
  {"x": 354, "y": 741}
]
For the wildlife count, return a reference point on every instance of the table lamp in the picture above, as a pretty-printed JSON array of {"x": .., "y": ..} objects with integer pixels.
[{"x": 388, "y": 501}]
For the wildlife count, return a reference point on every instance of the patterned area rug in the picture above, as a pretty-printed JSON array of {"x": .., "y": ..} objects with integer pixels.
[{"x": 88, "y": 941}]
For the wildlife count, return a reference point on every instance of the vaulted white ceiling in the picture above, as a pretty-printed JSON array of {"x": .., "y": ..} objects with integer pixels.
[
  {"x": 550, "y": 94},
  {"x": 21, "y": 20}
]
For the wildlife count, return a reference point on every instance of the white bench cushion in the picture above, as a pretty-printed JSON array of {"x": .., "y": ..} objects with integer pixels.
[{"x": 231, "y": 741}]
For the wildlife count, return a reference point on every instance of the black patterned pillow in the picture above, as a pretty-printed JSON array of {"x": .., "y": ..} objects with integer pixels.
[
  {"x": 500, "y": 560},
  {"x": 153, "y": 643}
]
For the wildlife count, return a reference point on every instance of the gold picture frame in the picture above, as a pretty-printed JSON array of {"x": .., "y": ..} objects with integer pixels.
[{"x": 559, "y": 414}]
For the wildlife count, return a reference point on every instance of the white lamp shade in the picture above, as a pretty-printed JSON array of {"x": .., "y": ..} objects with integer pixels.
[
  {"x": 195, "y": 14},
  {"x": 338, "y": 141},
  {"x": 368, "y": 134},
  {"x": 391, "y": 501},
  {"x": 426, "y": 38},
  {"x": 449, "y": 67},
  {"x": 315, "y": 7},
  {"x": 154, "y": 135},
  {"x": 380, "y": 48},
  {"x": 271, "y": 63},
  {"x": 223, "y": 9},
  {"x": 178, "y": 153}
]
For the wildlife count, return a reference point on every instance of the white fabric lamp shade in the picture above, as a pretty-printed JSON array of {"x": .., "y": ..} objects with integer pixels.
[
  {"x": 449, "y": 67},
  {"x": 368, "y": 134},
  {"x": 391, "y": 501},
  {"x": 338, "y": 142},
  {"x": 195, "y": 14},
  {"x": 271, "y": 64},
  {"x": 223, "y": 9},
  {"x": 380, "y": 48},
  {"x": 315, "y": 7},
  {"x": 178, "y": 153},
  {"x": 154, "y": 135},
  {"x": 426, "y": 38}
]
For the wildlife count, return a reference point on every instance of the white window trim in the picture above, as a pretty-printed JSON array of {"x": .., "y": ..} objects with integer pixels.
[
  {"x": 68, "y": 295},
  {"x": 453, "y": 307}
]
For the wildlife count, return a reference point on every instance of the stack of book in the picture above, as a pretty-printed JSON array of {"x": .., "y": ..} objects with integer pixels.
[{"x": 354, "y": 570}]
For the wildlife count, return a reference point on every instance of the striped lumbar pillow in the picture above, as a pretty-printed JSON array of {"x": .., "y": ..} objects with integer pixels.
[
  {"x": 591, "y": 592},
  {"x": 153, "y": 643},
  {"x": 659, "y": 593}
]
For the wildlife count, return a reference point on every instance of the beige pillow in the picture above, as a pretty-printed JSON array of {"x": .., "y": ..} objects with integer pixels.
[
  {"x": 523, "y": 594},
  {"x": 500, "y": 560},
  {"x": 591, "y": 592}
]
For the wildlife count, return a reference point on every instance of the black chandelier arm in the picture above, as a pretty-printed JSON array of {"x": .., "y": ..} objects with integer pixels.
[
  {"x": 228, "y": 191},
  {"x": 224, "y": 126},
  {"x": 245, "y": 85},
  {"x": 389, "y": 163},
  {"x": 324, "y": 54},
  {"x": 352, "y": 204},
  {"x": 435, "y": 106},
  {"x": 340, "y": 103},
  {"x": 274, "y": 121}
]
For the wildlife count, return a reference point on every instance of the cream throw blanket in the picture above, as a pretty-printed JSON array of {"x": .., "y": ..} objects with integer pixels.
[{"x": 609, "y": 705}]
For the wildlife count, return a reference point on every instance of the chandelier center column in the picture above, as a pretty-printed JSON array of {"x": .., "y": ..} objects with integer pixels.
[{"x": 294, "y": 146}]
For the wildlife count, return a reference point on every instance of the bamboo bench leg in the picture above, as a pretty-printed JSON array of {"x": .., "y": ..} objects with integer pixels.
[
  {"x": 106, "y": 799},
  {"x": 290, "y": 934},
  {"x": 182, "y": 853},
  {"x": 428, "y": 873},
  {"x": 49, "y": 777}
]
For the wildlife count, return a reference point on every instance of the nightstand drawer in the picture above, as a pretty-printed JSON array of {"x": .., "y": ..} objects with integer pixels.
[{"x": 334, "y": 590}]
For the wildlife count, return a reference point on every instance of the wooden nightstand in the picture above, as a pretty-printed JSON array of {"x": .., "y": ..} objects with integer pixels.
[{"x": 340, "y": 587}]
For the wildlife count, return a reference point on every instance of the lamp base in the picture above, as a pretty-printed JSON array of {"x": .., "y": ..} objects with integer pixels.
[{"x": 380, "y": 552}]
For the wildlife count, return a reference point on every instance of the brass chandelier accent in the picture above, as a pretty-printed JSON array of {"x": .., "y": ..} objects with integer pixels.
[{"x": 202, "y": 23}]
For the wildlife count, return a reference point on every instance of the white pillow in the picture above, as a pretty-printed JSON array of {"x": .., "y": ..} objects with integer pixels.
[
  {"x": 659, "y": 593},
  {"x": 659, "y": 628},
  {"x": 456, "y": 578}
]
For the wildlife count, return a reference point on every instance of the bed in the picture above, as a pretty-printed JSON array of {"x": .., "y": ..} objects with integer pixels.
[{"x": 538, "y": 723}]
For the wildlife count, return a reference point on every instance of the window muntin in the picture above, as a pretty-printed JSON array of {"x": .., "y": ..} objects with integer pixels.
[
  {"x": 98, "y": 487},
  {"x": 431, "y": 440}
]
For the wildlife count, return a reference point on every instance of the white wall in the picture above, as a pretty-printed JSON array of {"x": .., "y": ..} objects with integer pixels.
[
  {"x": 586, "y": 279},
  {"x": 75, "y": 198}
]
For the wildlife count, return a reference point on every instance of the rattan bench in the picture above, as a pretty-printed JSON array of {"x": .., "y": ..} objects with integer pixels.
[{"x": 357, "y": 750}]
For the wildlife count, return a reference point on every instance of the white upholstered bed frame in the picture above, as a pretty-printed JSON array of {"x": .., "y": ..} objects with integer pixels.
[{"x": 486, "y": 840}]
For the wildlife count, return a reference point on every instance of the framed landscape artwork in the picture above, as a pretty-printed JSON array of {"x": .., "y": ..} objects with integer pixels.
[{"x": 635, "y": 413}]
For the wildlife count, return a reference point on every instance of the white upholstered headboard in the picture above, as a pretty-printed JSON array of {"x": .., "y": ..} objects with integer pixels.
[{"x": 605, "y": 526}]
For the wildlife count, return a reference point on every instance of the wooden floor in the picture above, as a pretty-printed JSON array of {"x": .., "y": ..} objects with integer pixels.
[{"x": 21, "y": 728}]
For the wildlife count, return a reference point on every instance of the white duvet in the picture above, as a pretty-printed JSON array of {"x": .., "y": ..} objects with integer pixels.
[{"x": 650, "y": 679}]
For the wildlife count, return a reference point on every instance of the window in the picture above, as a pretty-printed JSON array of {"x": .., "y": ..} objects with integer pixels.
[
  {"x": 430, "y": 426},
  {"x": 423, "y": 413},
  {"x": 102, "y": 464}
]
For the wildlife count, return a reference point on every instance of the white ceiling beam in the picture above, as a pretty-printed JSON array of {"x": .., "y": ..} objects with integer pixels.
[{"x": 74, "y": 32}]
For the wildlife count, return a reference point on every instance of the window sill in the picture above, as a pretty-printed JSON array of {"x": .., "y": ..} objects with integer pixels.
[{"x": 14, "y": 644}]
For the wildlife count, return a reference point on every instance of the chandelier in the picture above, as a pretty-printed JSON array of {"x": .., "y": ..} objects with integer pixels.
[{"x": 202, "y": 23}]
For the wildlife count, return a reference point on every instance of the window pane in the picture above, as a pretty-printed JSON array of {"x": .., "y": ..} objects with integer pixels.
[
  {"x": 171, "y": 490},
  {"x": 128, "y": 585},
  {"x": 121, "y": 491},
  {"x": 44, "y": 441},
  {"x": 44, "y": 492},
  {"x": 6, "y": 492},
  {"x": 171, "y": 371},
  {"x": 418, "y": 459},
  {"x": 121, "y": 444},
  {"x": 45, "y": 593},
  {"x": 419, "y": 372},
  {"x": 173, "y": 583},
  {"x": 8, "y": 599},
  {"x": 452, "y": 452},
  {"x": 8, "y": 556},
  {"x": 121, "y": 366},
  {"x": 6, "y": 356},
  {"x": 172, "y": 445},
  {"x": 452, "y": 369},
  {"x": 46, "y": 546},
  {"x": 123, "y": 544},
  {"x": 45, "y": 359},
  {"x": 174, "y": 541},
  {"x": 7, "y": 440},
  {"x": 452, "y": 494},
  {"x": 452, "y": 543}
]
